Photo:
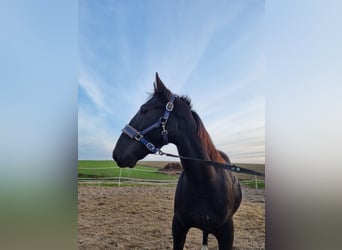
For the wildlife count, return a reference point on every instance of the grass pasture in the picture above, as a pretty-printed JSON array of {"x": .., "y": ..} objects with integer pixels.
[
  {"x": 147, "y": 171},
  {"x": 102, "y": 169}
]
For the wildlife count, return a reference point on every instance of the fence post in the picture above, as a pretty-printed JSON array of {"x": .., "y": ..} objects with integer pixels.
[
  {"x": 120, "y": 177},
  {"x": 256, "y": 182}
]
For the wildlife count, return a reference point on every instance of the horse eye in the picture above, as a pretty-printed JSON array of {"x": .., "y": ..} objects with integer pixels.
[{"x": 143, "y": 109}]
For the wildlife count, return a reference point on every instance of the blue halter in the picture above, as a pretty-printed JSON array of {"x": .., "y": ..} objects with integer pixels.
[{"x": 139, "y": 135}]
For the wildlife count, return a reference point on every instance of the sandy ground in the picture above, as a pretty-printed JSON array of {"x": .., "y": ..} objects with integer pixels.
[{"x": 140, "y": 218}]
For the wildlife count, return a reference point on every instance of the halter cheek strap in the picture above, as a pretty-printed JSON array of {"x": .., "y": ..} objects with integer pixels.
[{"x": 139, "y": 135}]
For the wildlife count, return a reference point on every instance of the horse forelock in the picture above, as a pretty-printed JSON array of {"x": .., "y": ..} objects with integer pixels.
[{"x": 207, "y": 143}]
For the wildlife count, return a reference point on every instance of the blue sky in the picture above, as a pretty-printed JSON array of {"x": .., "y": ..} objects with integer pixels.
[{"x": 211, "y": 51}]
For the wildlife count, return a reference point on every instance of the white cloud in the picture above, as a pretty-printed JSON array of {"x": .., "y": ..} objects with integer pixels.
[
  {"x": 95, "y": 140},
  {"x": 92, "y": 89},
  {"x": 241, "y": 134}
]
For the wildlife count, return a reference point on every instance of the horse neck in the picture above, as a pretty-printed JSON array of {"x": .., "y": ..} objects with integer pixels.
[{"x": 191, "y": 146}]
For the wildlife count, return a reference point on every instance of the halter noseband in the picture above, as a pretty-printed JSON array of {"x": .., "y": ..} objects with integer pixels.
[{"x": 139, "y": 135}]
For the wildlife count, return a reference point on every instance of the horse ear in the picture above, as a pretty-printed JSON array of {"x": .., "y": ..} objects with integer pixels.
[
  {"x": 158, "y": 84},
  {"x": 160, "y": 88}
]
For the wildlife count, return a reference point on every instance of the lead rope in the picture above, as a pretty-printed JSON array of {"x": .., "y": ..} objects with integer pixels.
[{"x": 233, "y": 167}]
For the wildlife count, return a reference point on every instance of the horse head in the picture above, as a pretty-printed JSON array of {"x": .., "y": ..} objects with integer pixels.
[{"x": 154, "y": 125}]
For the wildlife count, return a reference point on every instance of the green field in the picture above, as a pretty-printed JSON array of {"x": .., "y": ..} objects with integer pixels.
[
  {"x": 98, "y": 169},
  {"x": 95, "y": 170},
  {"x": 253, "y": 183}
]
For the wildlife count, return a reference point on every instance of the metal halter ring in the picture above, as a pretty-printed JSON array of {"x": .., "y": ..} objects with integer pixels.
[{"x": 162, "y": 120}]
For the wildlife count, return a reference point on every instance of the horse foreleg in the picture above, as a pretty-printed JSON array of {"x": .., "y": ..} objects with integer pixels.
[
  {"x": 179, "y": 232},
  {"x": 225, "y": 235}
]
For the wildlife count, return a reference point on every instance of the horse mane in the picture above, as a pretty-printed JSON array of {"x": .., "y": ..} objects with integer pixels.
[
  {"x": 208, "y": 146},
  {"x": 207, "y": 143}
]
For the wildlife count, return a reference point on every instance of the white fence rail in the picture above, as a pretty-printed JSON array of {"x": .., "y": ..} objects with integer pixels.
[{"x": 118, "y": 180}]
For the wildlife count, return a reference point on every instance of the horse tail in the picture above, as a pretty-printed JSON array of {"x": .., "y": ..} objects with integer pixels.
[{"x": 205, "y": 241}]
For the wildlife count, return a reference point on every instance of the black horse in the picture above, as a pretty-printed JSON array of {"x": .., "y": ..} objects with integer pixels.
[{"x": 206, "y": 197}]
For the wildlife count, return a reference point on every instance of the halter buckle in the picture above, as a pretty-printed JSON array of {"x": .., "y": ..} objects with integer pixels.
[
  {"x": 169, "y": 106},
  {"x": 138, "y": 136},
  {"x": 150, "y": 146}
]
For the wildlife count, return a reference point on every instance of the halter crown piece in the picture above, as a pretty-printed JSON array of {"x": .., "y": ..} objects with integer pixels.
[{"x": 162, "y": 121}]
